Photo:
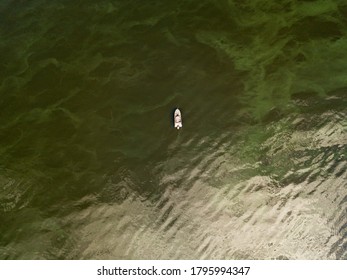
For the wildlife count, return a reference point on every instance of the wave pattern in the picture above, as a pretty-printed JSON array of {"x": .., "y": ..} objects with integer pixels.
[
  {"x": 91, "y": 168},
  {"x": 285, "y": 203}
]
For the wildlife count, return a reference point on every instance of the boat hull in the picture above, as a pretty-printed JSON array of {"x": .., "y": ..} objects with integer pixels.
[{"x": 178, "y": 119}]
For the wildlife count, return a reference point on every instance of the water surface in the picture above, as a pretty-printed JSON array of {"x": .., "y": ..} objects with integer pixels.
[{"x": 91, "y": 168}]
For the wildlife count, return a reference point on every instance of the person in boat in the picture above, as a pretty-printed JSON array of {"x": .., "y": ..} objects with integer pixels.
[{"x": 177, "y": 119}]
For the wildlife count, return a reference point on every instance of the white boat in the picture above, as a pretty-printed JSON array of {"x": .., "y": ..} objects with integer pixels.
[{"x": 177, "y": 118}]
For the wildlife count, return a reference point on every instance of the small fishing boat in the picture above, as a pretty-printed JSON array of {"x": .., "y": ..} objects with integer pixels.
[{"x": 177, "y": 119}]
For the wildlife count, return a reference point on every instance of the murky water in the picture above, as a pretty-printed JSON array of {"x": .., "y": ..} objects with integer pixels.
[{"x": 91, "y": 168}]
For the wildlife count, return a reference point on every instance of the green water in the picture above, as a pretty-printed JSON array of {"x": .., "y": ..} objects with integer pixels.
[{"x": 91, "y": 167}]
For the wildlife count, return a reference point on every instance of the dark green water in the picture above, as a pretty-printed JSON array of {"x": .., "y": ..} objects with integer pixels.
[{"x": 91, "y": 168}]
